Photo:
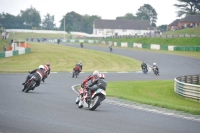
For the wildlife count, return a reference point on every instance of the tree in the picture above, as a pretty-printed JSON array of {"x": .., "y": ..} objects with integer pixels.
[
  {"x": 72, "y": 20},
  {"x": 162, "y": 28},
  {"x": 88, "y": 23},
  {"x": 31, "y": 17},
  {"x": 147, "y": 12},
  {"x": 128, "y": 16},
  {"x": 48, "y": 22},
  {"x": 10, "y": 21},
  {"x": 76, "y": 22},
  {"x": 188, "y": 7}
]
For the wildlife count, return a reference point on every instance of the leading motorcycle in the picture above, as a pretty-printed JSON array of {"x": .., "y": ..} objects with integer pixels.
[
  {"x": 96, "y": 98},
  {"x": 30, "y": 84}
]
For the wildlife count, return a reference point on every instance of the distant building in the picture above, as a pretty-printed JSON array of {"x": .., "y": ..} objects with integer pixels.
[
  {"x": 121, "y": 27},
  {"x": 189, "y": 21},
  {"x": 173, "y": 25}
]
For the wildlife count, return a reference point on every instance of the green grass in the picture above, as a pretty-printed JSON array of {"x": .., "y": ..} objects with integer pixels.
[
  {"x": 23, "y": 36},
  {"x": 2, "y": 42},
  {"x": 193, "y": 41},
  {"x": 189, "y": 31},
  {"x": 156, "y": 92},
  {"x": 64, "y": 58}
]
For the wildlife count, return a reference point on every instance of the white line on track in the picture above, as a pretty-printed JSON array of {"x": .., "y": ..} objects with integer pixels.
[{"x": 138, "y": 107}]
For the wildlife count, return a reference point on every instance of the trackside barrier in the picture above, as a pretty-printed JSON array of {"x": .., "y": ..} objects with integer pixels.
[
  {"x": 135, "y": 45},
  {"x": 187, "y": 86},
  {"x": 15, "y": 52}
]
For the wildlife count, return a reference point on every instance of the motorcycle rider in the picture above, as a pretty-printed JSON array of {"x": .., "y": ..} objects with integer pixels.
[
  {"x": 47, "y": 70},
  {"x": 38, "y": 73},
  {"x": 144, "y": 65},
  {"x": 110, "y": 47},
  {"x": 97, "y": 81},
  {"x": 81, "y": 44},
  {"x": 80, "y": 66},
  {"x": 154, "y": 65},
  {"x": 58, "y": 40}
]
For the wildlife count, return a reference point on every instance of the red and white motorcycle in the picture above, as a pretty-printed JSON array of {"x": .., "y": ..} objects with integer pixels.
[{"x": 96, "y": 98}]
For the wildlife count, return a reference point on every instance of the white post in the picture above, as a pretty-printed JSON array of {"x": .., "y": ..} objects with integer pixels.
[{"x": 64, "y": 26}]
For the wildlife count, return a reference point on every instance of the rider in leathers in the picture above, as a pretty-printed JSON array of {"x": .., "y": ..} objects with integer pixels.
[
  {"x": 154, "y": 65},
  {"x": 97, "y": 81},
  {"x": 80, "y": 65},
  {"x": 144, "y": 65},
  {"x": 38, "y": 73},
  {"x": 47, "y": 70}
]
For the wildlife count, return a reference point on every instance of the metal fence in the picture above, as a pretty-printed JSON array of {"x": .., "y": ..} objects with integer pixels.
[{"x": 188, "y": 86}]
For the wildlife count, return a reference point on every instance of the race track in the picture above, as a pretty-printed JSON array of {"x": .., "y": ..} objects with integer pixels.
[{"x": 51, "y": 107}]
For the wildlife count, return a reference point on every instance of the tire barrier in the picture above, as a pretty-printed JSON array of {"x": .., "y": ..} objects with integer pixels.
[
  {"x": 15, "y": 52},
  {"x": 188, "y": 86}
]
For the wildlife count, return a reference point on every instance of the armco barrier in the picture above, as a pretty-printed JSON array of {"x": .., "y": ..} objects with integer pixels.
[
  {"x": 163, "y": 47},
  {"x": 148, "y": 46},
  {"x": 187, "y": 86},
  {"x": 15, "y": 52},
  {"x": 137, "y": 45}
]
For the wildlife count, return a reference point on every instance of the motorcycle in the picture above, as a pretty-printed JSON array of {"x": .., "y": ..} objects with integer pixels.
[
  {"x": 75, "y": 72},
  {"x": 81, "y": 45},
  {"x": 144, "y": 69},
  {"x": 96, "y": 98},
  {"x": 110, "y": 47},
  {"x": 30, "y": 84},
  {"x": 155, "y": 70}
]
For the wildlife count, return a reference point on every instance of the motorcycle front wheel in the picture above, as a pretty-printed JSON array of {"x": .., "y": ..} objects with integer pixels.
[
  {"x": 77, "y": 99},
  {"x": 80, "y": 104},
  {"x": 95, "y": 103}
]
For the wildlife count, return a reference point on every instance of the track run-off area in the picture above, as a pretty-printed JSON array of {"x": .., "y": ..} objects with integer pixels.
[{"x": 51, "y": 107}]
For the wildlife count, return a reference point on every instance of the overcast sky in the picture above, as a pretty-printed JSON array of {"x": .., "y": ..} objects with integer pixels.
[{"x": 107, "y": 9}]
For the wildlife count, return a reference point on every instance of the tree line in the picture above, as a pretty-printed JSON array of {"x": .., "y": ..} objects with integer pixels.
[{"x": 72, "y": 21}]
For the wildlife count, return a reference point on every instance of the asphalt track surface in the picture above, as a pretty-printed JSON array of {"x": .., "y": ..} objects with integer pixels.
[{"x": 51, "y": 107}]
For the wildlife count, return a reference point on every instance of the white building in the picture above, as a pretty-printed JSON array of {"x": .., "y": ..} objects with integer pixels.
[{"x": 121, "y": 27}]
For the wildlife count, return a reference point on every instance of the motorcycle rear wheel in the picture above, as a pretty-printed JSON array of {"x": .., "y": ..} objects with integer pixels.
[{"x": 28, "y": 88}]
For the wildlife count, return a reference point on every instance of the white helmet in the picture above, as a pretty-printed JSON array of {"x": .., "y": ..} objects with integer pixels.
[
  {"x": 41, "y": 67},
  {"x": 95, "y": 72},
  {"x": 154, "y": 63}
]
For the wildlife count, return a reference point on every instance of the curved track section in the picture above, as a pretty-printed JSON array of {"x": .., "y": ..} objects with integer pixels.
[{"x": 51, "y": 107}]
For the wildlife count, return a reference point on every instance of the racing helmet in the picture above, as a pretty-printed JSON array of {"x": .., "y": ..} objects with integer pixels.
[
  {"x": 41, "y": 67},
  {"x": 95, "y": 72},
  {"x": 154, "y": 63}
]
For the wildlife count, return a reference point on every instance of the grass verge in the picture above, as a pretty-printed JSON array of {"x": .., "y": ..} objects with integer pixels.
[
  {"x": 190, "y": 31},
  {"x": 23, "y": 35},
  {"x": 157, "y": 93},
  {"x": 64, "y": 58}
]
